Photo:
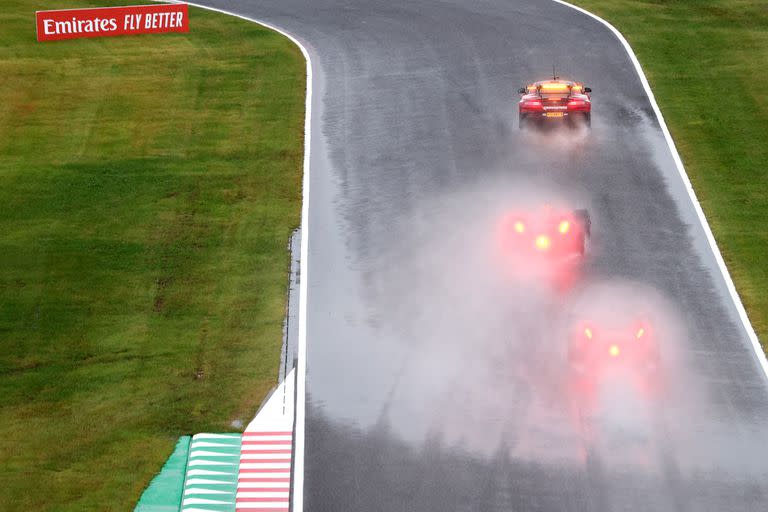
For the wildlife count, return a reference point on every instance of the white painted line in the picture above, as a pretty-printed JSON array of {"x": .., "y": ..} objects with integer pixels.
[
  {"x": 252, "y": 463},
  {"x": 205, "y": 472},
  {"x": 271, "y": 505},
  {"x": 206, "y": 481},
  {"x": 202, "y": 453},
  {"x": 262, "y": 494},
  {"x": 247, "y": 476},
  {"x": 301, "y": 356},
  {"x": 262, "y": 485},
  {"x": 201, "y": 501},
  {"x": 203, "y": 444},
  {"x": 209, "y": 463},
  {"x": 689, "y": 188},
  {"x": 264, "y": 456},
  {"x": 205, "y": 491},
  {"x": 264, "y": 465},
  {"x": 216, "y": 436},
  {"x": 259, "y": 456},
  {"x": 193, "y": 509},
  {"x": 262, "y": 447},
  {"x": 257, "y": 436}
]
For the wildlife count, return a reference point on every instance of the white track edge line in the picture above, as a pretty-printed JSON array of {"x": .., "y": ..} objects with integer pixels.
[
  {"x": 301, "y": 356},
  {"x": 689, "y": 188}
]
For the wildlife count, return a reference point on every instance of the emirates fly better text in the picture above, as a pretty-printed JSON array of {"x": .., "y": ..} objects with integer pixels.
[{"x": 109, "y": 21}]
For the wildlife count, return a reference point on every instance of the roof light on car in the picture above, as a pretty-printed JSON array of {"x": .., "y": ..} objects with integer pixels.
[
  {"x": 564, "y": 227},
  {"x": 554, "y": 86}
]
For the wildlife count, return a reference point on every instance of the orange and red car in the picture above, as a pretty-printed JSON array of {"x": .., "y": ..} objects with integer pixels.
[{"x": 555, "y": 100}]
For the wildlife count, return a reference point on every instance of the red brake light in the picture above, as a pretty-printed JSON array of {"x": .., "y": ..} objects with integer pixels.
[
  {"x": 532, "y": 104},
  {"x": 577, "y": 104}
]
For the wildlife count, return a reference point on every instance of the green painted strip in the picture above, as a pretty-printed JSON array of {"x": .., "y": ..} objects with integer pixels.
[
  {"x": 165, "y": 490},
  {"x": 213, "y": 487},
  {"x": 219, "y": 454}
]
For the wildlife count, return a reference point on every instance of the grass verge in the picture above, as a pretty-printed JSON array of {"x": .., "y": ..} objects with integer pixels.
[
  {"x": 148, "y": 187},
  {"x": 706, "y": 62}
]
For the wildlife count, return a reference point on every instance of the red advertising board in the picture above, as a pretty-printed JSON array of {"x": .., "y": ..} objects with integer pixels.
[{"x": 111, "y": 21}]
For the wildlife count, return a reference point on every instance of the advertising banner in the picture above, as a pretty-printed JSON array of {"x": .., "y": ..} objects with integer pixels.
[{"x": 111, "y": 21}]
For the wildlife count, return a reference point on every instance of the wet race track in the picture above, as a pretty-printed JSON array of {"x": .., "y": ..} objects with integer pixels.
[{"x": 438, "y": 373}]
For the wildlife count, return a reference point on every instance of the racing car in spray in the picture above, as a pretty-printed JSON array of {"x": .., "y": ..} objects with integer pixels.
[
  {"x": 615, "y": 360},
  {"x": 616, "y": 386},
  {"x": 544, "y": 244},
  {"x": 599, "y": 350},
  {"x": 555, "y": 100}
]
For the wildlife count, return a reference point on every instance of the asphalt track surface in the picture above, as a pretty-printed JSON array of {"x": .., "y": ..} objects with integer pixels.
[{"x": 436, "y": 381}]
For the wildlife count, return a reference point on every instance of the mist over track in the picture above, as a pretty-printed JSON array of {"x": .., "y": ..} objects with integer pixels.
[{"x": 434, "y": 381}]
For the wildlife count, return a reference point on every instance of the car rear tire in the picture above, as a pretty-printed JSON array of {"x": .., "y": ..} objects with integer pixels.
[
  {"x": 578, "y": 119},
  {"x": 586, "y": 222}
]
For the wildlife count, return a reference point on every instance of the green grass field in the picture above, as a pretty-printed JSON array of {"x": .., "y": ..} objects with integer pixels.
[
  {"x": 706, "y": 61},
  {"x": 148, "y": 188}
]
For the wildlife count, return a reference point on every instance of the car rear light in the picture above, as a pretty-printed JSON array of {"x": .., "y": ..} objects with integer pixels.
[
  {"x": 588, "y": 333},
  {"x": 577, "y": 105},
  {"x": 614, "y": 350},
  {"x": 542, "y": 242},
  {"x": 564, "y": 227},
  {"x": 639, "y": 333},
  {"x": 519, "y": 227},
  {"x": 532, "y": 105}
]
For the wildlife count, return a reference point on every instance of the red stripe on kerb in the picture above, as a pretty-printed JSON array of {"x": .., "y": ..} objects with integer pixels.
[
  {"x": 281, "y": 509},
  {"x": 264, "y": 489},
  {"x": 265, "y": 451},
  {"x": 260, "y": 500},
  {"x": 290, "y": 433},
  {"x": 267, "y": 461},
  {"x": 271, "y": 480},
  {"x": 265, "y": 470},
  {"x": 286, "y": 441}
]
